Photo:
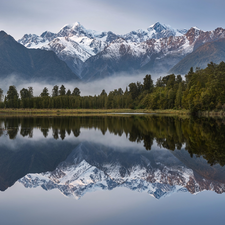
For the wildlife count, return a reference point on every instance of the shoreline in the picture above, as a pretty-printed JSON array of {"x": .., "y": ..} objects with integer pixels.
[
  {"x": 108, "y": 112},
  {"x": 71, "y": 112}
]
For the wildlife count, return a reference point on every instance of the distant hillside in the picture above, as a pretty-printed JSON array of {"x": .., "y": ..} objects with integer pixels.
[
  {"x": 30, "y": 63},
  {"x": 209, "y": 52}
]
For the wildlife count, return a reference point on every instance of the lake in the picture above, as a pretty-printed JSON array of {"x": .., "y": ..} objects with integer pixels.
[{"x": 112, "y": 169}]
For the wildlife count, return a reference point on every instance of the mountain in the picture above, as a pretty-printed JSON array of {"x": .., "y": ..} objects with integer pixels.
[
  {"x": 208, "y": 52},
  {"x": 94, "y": 55},
  {"x": 75, "y": 45},
  {"x": 152, "y": 56},
  {"x": 31, "y": 63},
  {"x": 92, "y": 167}
]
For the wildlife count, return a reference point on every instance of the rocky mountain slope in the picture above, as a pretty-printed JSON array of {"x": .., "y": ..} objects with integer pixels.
[
  {"x": 92, "y": 167},
  {"x": 208, "y": 52},
  {"x": 31, "y": 63}
]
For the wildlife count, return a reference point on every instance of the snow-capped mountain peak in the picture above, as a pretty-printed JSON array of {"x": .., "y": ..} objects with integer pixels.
[
  {"x": 158, "y": 27},
  {"x": 196, "y": 28},
  {"x": 76, "y": 24}
]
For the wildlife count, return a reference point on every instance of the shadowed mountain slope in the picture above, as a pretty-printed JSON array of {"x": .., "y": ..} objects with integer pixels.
[{"x": 30, "y": 63}]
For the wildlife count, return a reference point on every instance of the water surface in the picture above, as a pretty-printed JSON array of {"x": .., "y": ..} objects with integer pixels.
[{"x": 137, "y": 169}]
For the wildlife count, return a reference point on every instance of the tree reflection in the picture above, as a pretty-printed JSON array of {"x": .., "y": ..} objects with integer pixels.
[{"x": 200, "y": 136}]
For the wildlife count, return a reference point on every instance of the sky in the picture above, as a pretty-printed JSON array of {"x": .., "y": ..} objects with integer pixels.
[{"x": 18, "y": 17}]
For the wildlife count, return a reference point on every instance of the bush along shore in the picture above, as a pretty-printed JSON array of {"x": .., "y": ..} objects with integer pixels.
[{"x": 199, "y": 92}]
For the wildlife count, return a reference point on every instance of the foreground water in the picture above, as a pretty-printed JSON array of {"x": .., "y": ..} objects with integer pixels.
[{"x": 112, "y": 170}]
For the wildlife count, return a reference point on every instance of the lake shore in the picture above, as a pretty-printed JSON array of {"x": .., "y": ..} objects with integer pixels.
[
  {"x": 67, "y": 112},
  {"x": 97, "y": 112}
]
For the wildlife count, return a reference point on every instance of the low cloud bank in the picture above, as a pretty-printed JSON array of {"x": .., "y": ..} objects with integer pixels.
[{"x": 121, "y": 80}]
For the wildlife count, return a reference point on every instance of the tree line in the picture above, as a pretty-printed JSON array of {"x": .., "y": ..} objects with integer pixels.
[{"x": 200, "y": 90}]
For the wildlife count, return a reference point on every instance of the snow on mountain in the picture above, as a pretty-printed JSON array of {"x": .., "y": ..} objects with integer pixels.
[
  {"x": 120, "y": 47},
  {"x": 89, "y": 42},
  {"x": 153, "y": 56},
  {"x": 73, "y": 44},
  {"x": 155, "y": 31},
  {"x": 94, "y": 55},
  {"x": 33, "y": 41},
  {"x": 91, "y": 167}
]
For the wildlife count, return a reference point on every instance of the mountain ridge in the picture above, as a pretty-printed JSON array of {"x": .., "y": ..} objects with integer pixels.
[
  {"x": 201, "y": 57},
  {"x": 31, "y": 63}
]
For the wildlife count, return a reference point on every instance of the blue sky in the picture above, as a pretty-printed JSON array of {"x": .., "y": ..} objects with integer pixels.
[{"x": 18, "y": 17}]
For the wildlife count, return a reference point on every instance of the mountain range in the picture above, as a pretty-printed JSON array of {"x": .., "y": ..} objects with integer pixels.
[{"x": 91, "y": 55}]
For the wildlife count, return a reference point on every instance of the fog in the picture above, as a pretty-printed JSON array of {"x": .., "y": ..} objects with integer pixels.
[{"x": 121, "y": 80}]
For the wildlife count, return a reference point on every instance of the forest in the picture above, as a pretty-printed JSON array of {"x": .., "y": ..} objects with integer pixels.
[{"x": 199, "y": 90}]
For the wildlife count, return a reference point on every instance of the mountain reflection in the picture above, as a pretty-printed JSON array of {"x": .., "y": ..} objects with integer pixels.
[
  {"x": 91, "y": 167},
  {"x": 190, "y": 158}
]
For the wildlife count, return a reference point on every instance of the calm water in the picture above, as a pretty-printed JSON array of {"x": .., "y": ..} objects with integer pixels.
[{"x": 112, "y": 170}]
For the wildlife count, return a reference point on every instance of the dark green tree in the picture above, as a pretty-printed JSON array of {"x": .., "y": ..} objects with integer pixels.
[
  {"x": 45, "y": 92},
  {"x": 24, "y": 93},
  {"x": 120, "y": 91},
  {"x": 159, "y": 82},
  {"x": 31, "y": 92},
  {"x": 1, "y": 95},
  {"x": 62, "y": 91},
  {"x": 55, "y": 91},
  {"x": 133, "y": 90},
  {"x": 76, "y": 92},
  {"x": 12, "y": 97},
  {"x": 148, "y": 83},
  {"x": 68, "y": 93},
  {"x": 103, "y": 93}
]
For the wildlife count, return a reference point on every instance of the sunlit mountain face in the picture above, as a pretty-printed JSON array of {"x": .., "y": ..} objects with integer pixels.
[{"x": 151, "y": 154}]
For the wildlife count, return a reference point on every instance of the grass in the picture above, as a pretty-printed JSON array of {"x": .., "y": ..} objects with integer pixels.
[
  {"x": 88, "y": 111},
  {"x": 85, "y": 112}
]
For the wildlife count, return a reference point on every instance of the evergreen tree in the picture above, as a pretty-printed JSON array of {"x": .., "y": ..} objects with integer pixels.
[
  {"x": 31, "y": 92},
  {"x": 148, "y": 83},
  {"x": 1, "y": 95},
  {"x": 120, "y": 91},
  {"x": 189, "y": 76},
  {"x": 76, "y": 92},
  {"x": 45, "y": 92},
  {"x": 62, "y": 91},
  {"x": 133, "y": 90},
  {"x": 103, "y": 93},
  {"x": 12, "y": 97},
  {"x": 24, "y": 93},
  {"x": 179, "y": 96},
  {"x": 159, "y": 82},
  {"x": 68, "y": 93},
  {"x": 55, "y": 91}
]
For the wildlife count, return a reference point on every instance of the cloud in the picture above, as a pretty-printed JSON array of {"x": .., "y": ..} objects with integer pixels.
[{"x": 121, "y": 80}]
